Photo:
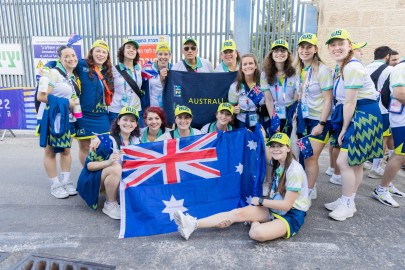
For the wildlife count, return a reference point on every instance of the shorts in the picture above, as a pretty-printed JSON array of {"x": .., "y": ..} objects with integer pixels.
[
  {"x": 398, "y": 133},
  {"x": 293, "y": 219},
  {"x": 386, "y": 125},
  {"x": 324, "y": 136}
]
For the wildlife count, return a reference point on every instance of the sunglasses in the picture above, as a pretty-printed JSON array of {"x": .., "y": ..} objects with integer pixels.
[{"x": 186, "y": 48}]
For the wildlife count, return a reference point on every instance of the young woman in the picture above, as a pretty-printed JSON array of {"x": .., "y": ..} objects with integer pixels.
[
  {"x": 361, "y": 132},
  {"x": 230, "y": 57},
  {"x": 315, "y": 102},
  {"x": 60, "y": 86},
  {"x": 155, "y": 121},
  {"x": 281, "y": 214},
  {"x": 182, "y": 117},
  {"x": 124, "y": 95},
  {"x": 246, "y": 94},
  {"x": 279, "y": 73},
  {"x": 224, "y": 116},
  {"x": 102, "y": 171},
  {"x": 157, "y": 72}
]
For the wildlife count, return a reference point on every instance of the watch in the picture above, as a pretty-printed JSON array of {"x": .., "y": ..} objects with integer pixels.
[
  {"x": 261, "y": 201},
  {"x": 322, "y": 123}
]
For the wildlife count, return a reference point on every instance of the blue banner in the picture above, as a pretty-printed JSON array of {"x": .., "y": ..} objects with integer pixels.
[
  {"x": 201, "y": 92},
  {"x": 17, "y": 108},
  {"x": 201, "y": 175}
]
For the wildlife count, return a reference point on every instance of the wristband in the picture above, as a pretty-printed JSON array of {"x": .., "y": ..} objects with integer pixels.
[
  {"x": 261, "y": 201},
  {"x": 322, "y": 123}
]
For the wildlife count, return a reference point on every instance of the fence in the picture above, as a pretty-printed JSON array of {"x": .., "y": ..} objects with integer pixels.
[{"x": 210, "y": 21}]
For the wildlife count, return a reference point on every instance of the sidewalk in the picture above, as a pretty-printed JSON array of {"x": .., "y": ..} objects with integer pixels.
[{"x": 32, "y": 221}]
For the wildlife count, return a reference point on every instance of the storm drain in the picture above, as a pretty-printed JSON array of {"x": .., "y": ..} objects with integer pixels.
[
  {"x": 3, "y": 256},
  {"x": 50, "y": 262}
]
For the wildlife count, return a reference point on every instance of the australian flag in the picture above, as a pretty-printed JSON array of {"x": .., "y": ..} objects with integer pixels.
[
  {"x": 200, "y": 175},
  {"x": 305, "y": 147}
]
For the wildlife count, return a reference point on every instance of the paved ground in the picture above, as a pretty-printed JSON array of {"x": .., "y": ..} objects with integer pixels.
[{"x": 32, "y": 221}]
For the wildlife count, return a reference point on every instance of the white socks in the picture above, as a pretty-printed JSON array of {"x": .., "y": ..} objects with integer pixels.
[
  {"x": 346, "y": 200},
  {"x": 54, "y": 181},
  {"x": 65, "y": 176},
  {"x": 376, "y": 163}
]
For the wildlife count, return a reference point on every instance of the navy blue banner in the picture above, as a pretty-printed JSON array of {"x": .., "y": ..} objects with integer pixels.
[{"x": 201, "y": 92}]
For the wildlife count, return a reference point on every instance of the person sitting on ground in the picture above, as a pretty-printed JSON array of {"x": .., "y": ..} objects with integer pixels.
[
  {"x": 224, "y": 118},
  {"x": 102, "y": 170},
  {"x": 281, "y": 214}
]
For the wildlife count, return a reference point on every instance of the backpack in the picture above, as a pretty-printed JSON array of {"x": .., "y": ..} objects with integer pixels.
[{"x": 385, "y": 90}]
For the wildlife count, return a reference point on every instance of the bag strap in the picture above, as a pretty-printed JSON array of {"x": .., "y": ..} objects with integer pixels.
[
  {"x": 172, "y": 133},
  {"x": 134, "y": 86},
  {"x": 376, "y": 74},
  {"x": 189, "y": 69},
  {"x": 102, "y": 78}
]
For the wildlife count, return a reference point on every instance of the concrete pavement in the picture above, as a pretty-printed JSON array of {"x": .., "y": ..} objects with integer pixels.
[{"x": 32, "y": 221}]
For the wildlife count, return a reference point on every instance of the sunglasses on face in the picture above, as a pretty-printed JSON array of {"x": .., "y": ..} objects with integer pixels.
[{"x": 186, "y": 48}]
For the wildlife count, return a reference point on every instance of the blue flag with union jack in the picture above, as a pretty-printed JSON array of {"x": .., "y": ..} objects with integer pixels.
[
  {"x": 201, "y": 175},
  {"x": 305, "y": 147}
]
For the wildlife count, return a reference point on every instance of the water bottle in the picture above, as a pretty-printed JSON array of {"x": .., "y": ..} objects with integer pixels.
[
  {"x": 77, "y": 109},
  {"x": 44, "y": 81}
]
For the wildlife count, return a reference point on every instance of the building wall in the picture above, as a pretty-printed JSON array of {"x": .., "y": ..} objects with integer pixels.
[{"x": 379, "y": 22}]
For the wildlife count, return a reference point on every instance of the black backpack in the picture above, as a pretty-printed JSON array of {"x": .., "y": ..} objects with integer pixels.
[{"x": 385, "y": 90}]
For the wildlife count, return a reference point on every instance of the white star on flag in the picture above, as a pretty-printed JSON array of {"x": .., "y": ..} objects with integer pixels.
[
  {"x": 249, "y": 200},
  {"x": 239, "y": 168},
  {"x": 252, "y": 145},
  {"x": 173, "y": 205}
]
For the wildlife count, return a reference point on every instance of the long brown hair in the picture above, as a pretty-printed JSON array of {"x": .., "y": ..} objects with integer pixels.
[
  {"x": 269, "y": 67},
  {"x": 240, "y": 78},
  {"x": 108, "y": 67},
  {"x": 345, "y": 61},
  {"x": 283, "y": 179}
]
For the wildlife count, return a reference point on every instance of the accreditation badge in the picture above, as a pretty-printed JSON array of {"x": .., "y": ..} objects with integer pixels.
[
  {"x": 396, "y": 106},
  {"x": 305, "y": 113},
  {"x": 281, "y": 112}
]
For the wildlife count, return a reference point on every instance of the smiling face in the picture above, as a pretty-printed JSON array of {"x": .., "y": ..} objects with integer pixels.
[
  {"x": 306, "y": 51},
  {"x": 127, "y": 123},
  {"x": 163, "y": 58},
  {"x": 189, "y": 50},
  {"x": 100, "y": 55},
  {"x": 248, "y": 66},
  {"x": 68, "y": 59},
  {"x": 153, "y": 121},
  {"x": 183, "y": 121},
  {"x": 130, "y": 51},
  {"x": 224, "y": 117},
  {"x": 229, "y": 57},
  {"x": 339, "y": 49},
  {"x": 279, "y": 54},
  {"x": 279, "y": 151}
]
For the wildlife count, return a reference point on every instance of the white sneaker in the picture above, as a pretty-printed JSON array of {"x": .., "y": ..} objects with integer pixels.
[
  {"x": 330, "y": 171},
  {"x": 336, "y": 179},
  {"x": 367, "y": 165},
  {"x": 333, "y": 205},
  {"x": 313, "y": 194},
  {"x": 186, "y": 224},
  {"x": 396, "y": 192},
  {"x": 376, "y": 174},
  {"x": 112, "y": 209},
  {"x": 384, "y": 197},
  {"x": 70, "y": 188},
  {"x": 58, "y": 191},
  {"x": 342, "y": 212}
]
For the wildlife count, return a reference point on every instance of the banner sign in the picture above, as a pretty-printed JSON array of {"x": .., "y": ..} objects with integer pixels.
[
  {"x": 201, "y": 92},
  {"x": 17, "y": 108},
  {"x": 11, "y": 59},
  {"x": 147, "y": 47},
  {"x": 45, "y": 50}
]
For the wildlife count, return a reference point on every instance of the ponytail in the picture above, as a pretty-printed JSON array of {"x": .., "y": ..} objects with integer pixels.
[{"x": 345, "y": 61}]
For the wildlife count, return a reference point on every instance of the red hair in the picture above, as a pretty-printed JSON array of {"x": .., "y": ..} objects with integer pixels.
[{"x": 159, "y": 112}]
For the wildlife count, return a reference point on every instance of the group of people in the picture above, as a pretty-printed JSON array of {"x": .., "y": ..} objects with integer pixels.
[{"x": 340, "y": 107}]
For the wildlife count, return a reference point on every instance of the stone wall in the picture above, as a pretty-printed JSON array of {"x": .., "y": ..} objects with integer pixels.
[{"x": 379, "y": 22}]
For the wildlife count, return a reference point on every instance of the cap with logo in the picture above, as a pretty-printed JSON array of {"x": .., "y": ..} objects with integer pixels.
[
  {"x": 129, "y": 110},
  {"x": 182, "y": 109},
  {"x": 100, "y": 43},
  {"x": 341, "y": 34},
  {"x": 225, "y": 106},
  {"x": 358, "y": 45},
  {"x": 162, "y": 46},
  {"x": 228, "y": 45},
  {"x": 280, "y": 138},
  {"x": 190, "y": 39},
  {"x": 279, "y": 43},
  {"x": 308, "y": 37},
  {"x": 131, "y": 40}
]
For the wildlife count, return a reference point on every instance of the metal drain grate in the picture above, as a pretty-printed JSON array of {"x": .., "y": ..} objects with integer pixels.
[
  {"x": 50, "y": 262},
  {"x": 3, "y": 256}
]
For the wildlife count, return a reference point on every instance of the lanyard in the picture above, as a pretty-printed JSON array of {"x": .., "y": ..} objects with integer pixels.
[
  {"x": 285, "y": 88},
  {"x": 122, "y": 141}
]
